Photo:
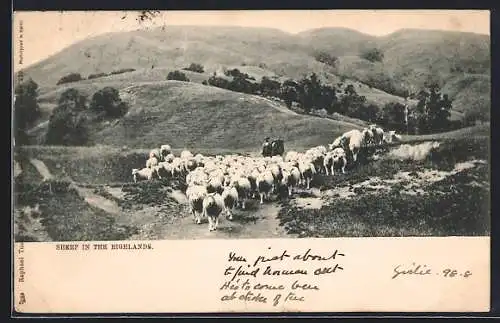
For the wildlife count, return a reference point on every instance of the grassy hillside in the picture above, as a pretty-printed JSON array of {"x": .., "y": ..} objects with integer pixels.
[
  {"x": 186, "y": 114},
  {"x": 411, "y": 57}
]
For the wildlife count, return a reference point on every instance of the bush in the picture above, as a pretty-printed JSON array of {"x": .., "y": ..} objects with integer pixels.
[
  {"x": 97, "y": 75},
  {"x": 326, "y": 58},
  {"x": 73, "y": 77},
  {"x": 177, "y": 76},
  {"x": 26, "y": 109},
  {"x": 236, "y": 73},
  {"x": 123, "y": 70},
  {"x": 198, "y": 68},
  {"x": 218, "y": 82},
  {"x": 67, "y": 124},
  {"x": 373, "y": 55},
  {"x": 108, "y": 100}
]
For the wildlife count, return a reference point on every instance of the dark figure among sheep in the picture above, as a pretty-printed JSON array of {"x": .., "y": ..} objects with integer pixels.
[{"x": 273, "y": 148}]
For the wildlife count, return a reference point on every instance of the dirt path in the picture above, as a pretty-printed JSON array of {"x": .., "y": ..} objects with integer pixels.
[
  {"x": 258, "y": 221},
  {"x": 87, "y": 194},
  {"x": 98, "y": 201},
  {"x": 41, "y": 168}
]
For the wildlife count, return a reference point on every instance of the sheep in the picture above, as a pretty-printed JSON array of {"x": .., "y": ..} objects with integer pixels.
[
  {"x": 190, "y": 165},
  {"x": 177, "y": 166},
  {"x": 390, "y": 137},
  {"x": 214, "y": 185},
  {"x": 252, "y": 178},
  {"x": 328, "y": 163},
  {"x": 355, "y": 140},
  {"x": 378, "y": 134},
  {"x": 196, "y": 178},
  {"x": 196, "y": 195},
  {"x": 186, "y": 154},
  {"x": 277, "y": 175},
  {"x": 230, "y": 198},
  {"x": 155, "y": 153},
  {"x": 243, "y": 187},
  {"x": 291, "y": 178},
  {"x": 368, "y": 137},
  {"x": 212, "y": 207},
  {"x": 265, "y": 185},
  {"x": 164, "y": 151},
  {"x": 291, "y": 156},
  {"x": 339, "y": 160},
  {"x": 151, "y": 162},
  {"x": 145, "y": 173},
  {"x": 307, "y": 171},
  {"x": 169, "y": 158}
]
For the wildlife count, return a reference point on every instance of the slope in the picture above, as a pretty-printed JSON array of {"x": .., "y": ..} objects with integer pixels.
[{"x": 191, "y": 115}]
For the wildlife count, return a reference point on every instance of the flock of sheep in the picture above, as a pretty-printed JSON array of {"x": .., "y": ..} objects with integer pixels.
[{"x": 217, "y": 184}]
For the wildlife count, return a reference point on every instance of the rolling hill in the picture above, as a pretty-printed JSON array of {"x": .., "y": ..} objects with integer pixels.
[
  {"x": 459, "y": 62},
  {"x": 190, "y": 115}
]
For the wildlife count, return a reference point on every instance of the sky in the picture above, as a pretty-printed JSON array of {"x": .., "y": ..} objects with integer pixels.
[{"x": 38, "y": 35}]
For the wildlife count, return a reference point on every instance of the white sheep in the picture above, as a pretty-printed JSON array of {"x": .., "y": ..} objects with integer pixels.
[
  {"x": 230, "y": 198},
  {"x": 265, "y": 183},
  {"x": 144, "y": 174},
  {"x": 212, "y": 207},
  {"x": 151, "y": 162},
  {"x": 196, "y": 195},
  {"x": 307, "y": 171},
  {"x": 186, "y": 154},
  {"x": 243, "y": 187},
  {"x": 339, "y": 160}
]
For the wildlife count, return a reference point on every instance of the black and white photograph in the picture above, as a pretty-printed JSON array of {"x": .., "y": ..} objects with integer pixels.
[{"x": 192, "y": 125}]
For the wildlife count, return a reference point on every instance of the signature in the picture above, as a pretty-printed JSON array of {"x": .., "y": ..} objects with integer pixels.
[{"x": 414, "y": 269}]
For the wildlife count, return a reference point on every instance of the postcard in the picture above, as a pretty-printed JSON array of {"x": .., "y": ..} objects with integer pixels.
[{"x": 251, "y": 161}]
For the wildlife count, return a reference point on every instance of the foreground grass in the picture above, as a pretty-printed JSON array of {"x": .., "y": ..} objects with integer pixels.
[
  {"x": 65, "y": 216},
  {"x": 459, "y": 210},
  {"x": 456, "y": 205}
]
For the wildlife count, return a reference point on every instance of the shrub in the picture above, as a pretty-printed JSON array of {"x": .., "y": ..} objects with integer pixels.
[
  {"x": 123, "y": 70},
  {"x": 108, "y": 100},
  {"x": 198, "y": 68},
  {"x": 326, "y": 58},
  {"x": 73, "y": 77},
  {"x": 373, "y": 55},
  {"x": 97, "y": 75},
  {"x": 177, "y": 76}
]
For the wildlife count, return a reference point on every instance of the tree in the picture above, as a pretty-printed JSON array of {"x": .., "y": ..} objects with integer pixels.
[
  {"x": 351, "y": 103},
  {"x": 177, "y": 76},
  {"x": 26, "y": 109},
  {"x": 373, "y": 55},
  {"x": 67, "y": 124},
  {"x": 393, "y": 116},
  {"x": 108, "y": 100},
  {"x": 326, "y": 58},
  {"x": 240, "y": 84},
  {"x": 72, "y": 77},
  {"x": 288, "y": 92},
  {"x": 309, "y": 92},
  {"x": 368, "y": 112},
  {"x": 218, "y": 82},
  {"x": 433, "y": 110},
  {"x": 194, "y": 67},
  {"x": 328, "y": 99},
  {"x": 269, "y": 87}
]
